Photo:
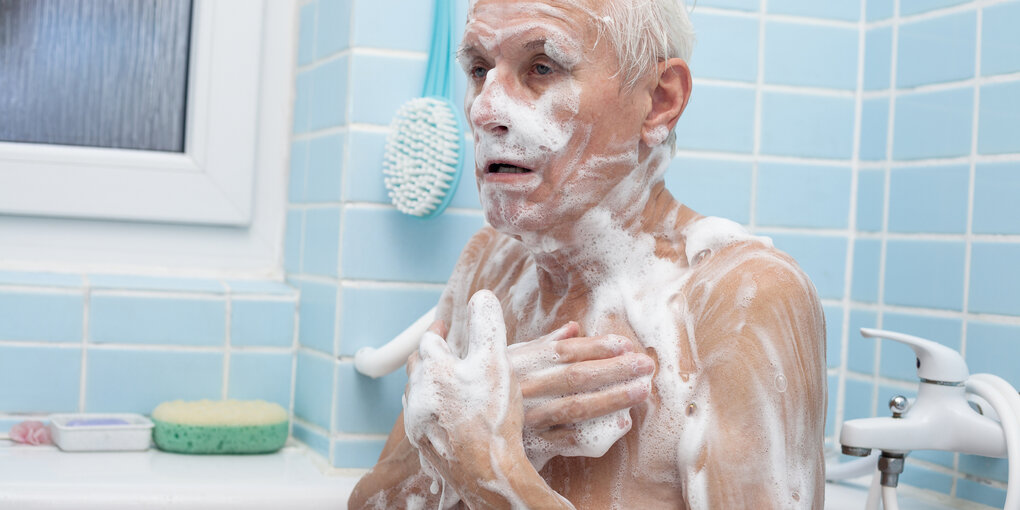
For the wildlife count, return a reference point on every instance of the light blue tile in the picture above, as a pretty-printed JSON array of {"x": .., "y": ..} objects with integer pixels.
[
  {"x": 366, "y": 405},
  {"x": 1000, "y": 40},
  {"x": 292, "y": 240},
  {"x": 263, "y": 287},
  {"x": 994, "y": 278},
  {"x": 803, "y": 195},
  {"x": 996, "y": 208},
  {"x": 917, "y": 476},
  {"x": 39, "y": 379},
  {"x": 383, "y": 244},
  {"x": 298, "y": 179},
  {"x": 941, "y": 208},
  {"x": 993, "y": 349},
  {"x": 811, "y": 55},
  {"x": 306, "y": 35},
  {"x": 149, "y": 320},
  {"x": 870, "y": 199},
  {"x": 830, "y": 408},
  {"x": 334, "y": 27},
  {"x": 157, "y": 283},
  {"x": 329, "y": 95},
  {"x": 877, "y": 58},
  {"x": 372, "y": 316},
  {"x": 377, "y": 27},
  {"x": 833, "y": 335},
  {"x": 924, "y": 273},
  {"x": 718, "y": 119},
  {"x": 315, "y": 440},
  {"x": 302, "y": 100},
  {"x": 364, "y": 179},
  {"x": 138, "y": 381},
  {"x": 879, "y": 10},
  {"x": 944, "y": 459},
  {"x": 357, "y": 453},
  {"x": 742, "y": 5},
  {"x": 909, "y": 7},
  {"x": 41, "y": 316},
  {"x": 322, "y": 241},
  {"x": 860, "y": 355},
  {"x": 260, "y": 375},
  {"x": 823, "y": 258},
  {"x": 313, "y": 389},
  {"x": 867, "y": 261},
  {"x": 849, "y": 10},
  {"x": 712, "y": 187},
  {"x": 874, "y": 127},
  {"x": 981, "y": 493},
  {"x": 898, "y": 360},
  {"x": 384, "y": 84},
  {"x": 727, "y": 47},
  {"x": 807, "y": 126},
  {"x": 34, "y": 279},
  {"x": 985, "y": 467},
  {"x": 262, "y": 323},
  {"x": 325, "y": 161},
  {"x": 998, "y": 118},
  {"x": 933, "y": 124},
  {"x": 936, "y": 50},
  {"x": 858, "y": 400},
  {"x": 317, "y": 312}
]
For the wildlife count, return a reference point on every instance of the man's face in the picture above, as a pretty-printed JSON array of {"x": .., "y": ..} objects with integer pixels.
[{"x": 554, "y": 130}]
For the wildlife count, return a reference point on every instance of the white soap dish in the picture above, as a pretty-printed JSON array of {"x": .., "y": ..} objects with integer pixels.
[{"x": 92, "y": 432}]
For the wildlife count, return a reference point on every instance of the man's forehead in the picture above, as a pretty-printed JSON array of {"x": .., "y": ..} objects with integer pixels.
[{"x": 529, "y": 24}]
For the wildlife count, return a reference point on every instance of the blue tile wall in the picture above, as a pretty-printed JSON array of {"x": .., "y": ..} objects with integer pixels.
[
  {"x": 858, "y": 401},
  {"x": 986, "y": 467},
  {"x": 860, "y": 350},
  {"x": 157, "y": 320},
  {"x": 155, "y": 283},
  {"x": 315, "y": 440},
  {"x": 325, "y": 161},
  {"x": 380, "y": 95},
  {"x": 365, "y": 405},
  {"x": 994, "y": 283},
  {"x": 712, "y": 187},
  {"x": 878, "y": 10},
  {"x": 313, "y": 395},
  {"x": 292, "y": 240},
  {"x": 261, "y": 375},
  {"x": 718, "y": 118},
  {"x": 933, "y": 124},
  {"x": 925, "y": 273},
  {"x": 260, "y": 322},
  {"x": 302, "y": 100},
  {"x": 306, "y": 34},
  {"x": 867, "y": 263},
  {"x": 910, "y": 7},
  {"x": 377, "y": 27},
  {"x": 332, "y": 28},
  {"x": 39, "y": 379},
  {"x": 321, "y": 242},
  {"x": 743, "y": 5},
  {"x": 806, "y": 125},
  {"x": 849, "y": 10},
  {"x": 942, "y": 208},
  {"x": 830, "y": 408},
  {"x": 870, "y": 200},
  {"x": 877, "y": 58},
  {"x": 43, "y": 316},
  {"x": 833, "y": 335},
  {"x": 329, "y": 91},
  {"x": 918, "y": 476},
  {"x": 363, "y": 182},
  {"x": 351, "y": 453},
  {"x": 823, "y": 258},
  {"x": 372, "y": 315},
  {"x": 298, "y": 171},
  {"x": 318, "y": 315},
  {"x": 992, "y": 348},
  {"x": 811, "y": 56},
  {"x": 874, "y": 127},
  {"x": 936, "y": 50},
  {"x": 137, "y": 381},
  {"x": 996, "y": 209},
  {"x": 803, "y": 195},
  {"x": 727, "y": 47},
  {"x": 998, "y": 117},
  {"x": 981, "y": 493},
  {"x": 1000, "y": 41}
]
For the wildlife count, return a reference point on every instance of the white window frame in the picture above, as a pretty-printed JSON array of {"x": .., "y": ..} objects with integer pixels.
[{"x": 219, "y": 205}]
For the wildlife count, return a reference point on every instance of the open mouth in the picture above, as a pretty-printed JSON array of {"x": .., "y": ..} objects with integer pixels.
[{"x": 505, "y": 168}]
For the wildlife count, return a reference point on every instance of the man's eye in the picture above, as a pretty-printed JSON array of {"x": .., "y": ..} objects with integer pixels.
[
  {"x": 478, "y": 72},
  {"x": 542, "y": 69}
]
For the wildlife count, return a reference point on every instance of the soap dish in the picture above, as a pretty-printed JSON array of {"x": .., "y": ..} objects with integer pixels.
[{"x": 92, "y": 432}]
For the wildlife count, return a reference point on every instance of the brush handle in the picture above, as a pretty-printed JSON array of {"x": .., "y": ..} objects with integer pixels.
[{"x": 437, "y": 74}]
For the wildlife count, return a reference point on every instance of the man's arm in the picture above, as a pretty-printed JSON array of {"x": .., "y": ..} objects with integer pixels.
[{"x": 760, "y": 338}]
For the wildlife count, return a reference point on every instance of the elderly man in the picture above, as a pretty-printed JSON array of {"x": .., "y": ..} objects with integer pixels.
[{"x": 607, "y": 346}]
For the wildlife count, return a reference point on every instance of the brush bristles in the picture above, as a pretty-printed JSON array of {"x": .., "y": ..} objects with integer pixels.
[{"x": 422, "y": 155}]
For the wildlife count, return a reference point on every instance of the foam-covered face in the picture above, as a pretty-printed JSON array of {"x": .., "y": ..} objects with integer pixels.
[{"x": 554, "y": 131}]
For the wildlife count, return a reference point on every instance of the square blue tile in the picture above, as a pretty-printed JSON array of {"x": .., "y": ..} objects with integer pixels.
[
  {"x": 261, "y": 287},
  {"x": 924, "y": 273},
  {"x": 860, "y": 350},
  {"x": 718, "y": 118},
  {"x": 266, "y": 323},
  {"x": 302, "y": 100},
  {"x": 325, "y": 165},
  {"x": 138, "y": 381},
  {"x": 998, "y": 118},
  {"x": 858, "y": 400},
  {"x": 867, "y": 262},
  {"x": 329, "y": 95},
  {"x": 313, "y": 389},
  {"x": 933, "y": 124},
  {"x": 373, "y": 315},
  {"x": 870, "y": 199},
  {"x": 322, "y": 241},
  {"x": 366, "y": 405},
  {"x": 993, "y": 349},
  {"x": 996, "y": 208},
  {"x": 849, "y": 10},
  {"x": 317, "y": 441},
  {"x": 988, "y": 468},
  {"x": 156, "y": 283},
  {"x": 898, "y": 360},
  {"x": 941, "y": 208},
  {"x": 807, "y": 126},
  {"x": 151, "y": 320},
  {"x": 333, "y": 27},
  {"x": 41, "y": 316},
  {"x": 917, "y": 476},
  {"x": 823, "y": 258},
  {"x": 981, "y": 493},
  {"x": 727, "y": 47},
  {"x": 383, "y": 244},
  {"x": 384, "y": 83},
  {"x": 877, "y": 58},
  {"x": 803, "y": 195},
  {"x": 874, "y": 128},
  {"x": 910, "y": 7},
  {"x": 936, "y": 50},
  {"x": 294, "y": 231},
  {"x": 317, "y": 312},
  {"x": 833, "y": 335},
  {"x": 879, "y": 10},
  {"x": 712, "y": 187},
  {"x": 262, "y": 376},
  {"x": 1000, "y": 40},
  {"x": 942, "y": 458},
  {"x": 364, "y": 179},
  {"x": 811, "y": 55},
  {"x": 306, "y": 34},
  {"x": 40, "y": 279},
  {"x": 357, "y": 453},
  {"x": 742, "y": 5},
  {"x": 994, "y": 278},
  {"x": 377, "y": 27},
  {"x": 39, "y": 379},
  {"x": 298, "y": 178}
]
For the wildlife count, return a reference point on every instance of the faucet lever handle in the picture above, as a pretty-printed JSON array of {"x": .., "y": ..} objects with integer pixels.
[{"x": 935, "y": 362}]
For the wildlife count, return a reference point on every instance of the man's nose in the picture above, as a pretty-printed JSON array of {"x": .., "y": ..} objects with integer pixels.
[{"x": 489, "y": 110}]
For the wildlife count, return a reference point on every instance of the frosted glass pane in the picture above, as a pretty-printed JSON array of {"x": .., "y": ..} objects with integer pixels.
[{"x": 104, "y": 73}]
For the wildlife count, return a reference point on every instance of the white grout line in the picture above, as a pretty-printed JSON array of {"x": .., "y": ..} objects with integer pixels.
[{"x": 380, "y": 284}]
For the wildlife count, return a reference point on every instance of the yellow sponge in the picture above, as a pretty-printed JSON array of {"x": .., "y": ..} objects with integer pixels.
[{"x": 219, "y": 426}]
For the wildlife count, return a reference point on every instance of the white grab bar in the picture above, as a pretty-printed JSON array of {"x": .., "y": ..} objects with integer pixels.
[{"x": 377, "y": 362}]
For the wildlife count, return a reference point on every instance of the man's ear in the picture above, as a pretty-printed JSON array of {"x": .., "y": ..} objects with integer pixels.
[{"x": 669, "y": 98}]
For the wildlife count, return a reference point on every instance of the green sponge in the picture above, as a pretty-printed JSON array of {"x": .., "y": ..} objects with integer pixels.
[{"x": 219, "y": 427}]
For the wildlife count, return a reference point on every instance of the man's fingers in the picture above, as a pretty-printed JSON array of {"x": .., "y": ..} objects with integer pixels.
[
  {"x": 578, "y": 408},
  {"x": 439, "y": 327},
  {"x": 586, "y": 376},
  {"x": 572, "y": 350},
  {"x": 433, "y": 346}
]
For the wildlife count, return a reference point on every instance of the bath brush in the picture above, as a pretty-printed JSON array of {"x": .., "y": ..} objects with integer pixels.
[
  {"x": 424, "y": 150},
  {"x": 219, "y": 426}
]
